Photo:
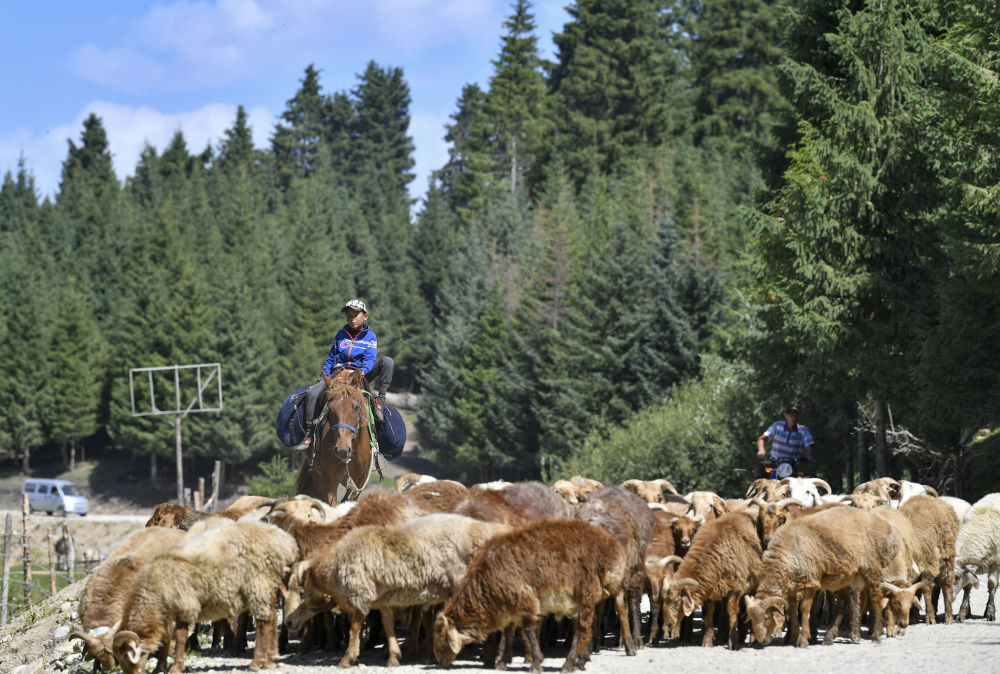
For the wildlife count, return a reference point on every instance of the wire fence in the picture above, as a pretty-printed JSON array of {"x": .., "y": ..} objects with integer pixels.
[{"x": 35, "y": 568}]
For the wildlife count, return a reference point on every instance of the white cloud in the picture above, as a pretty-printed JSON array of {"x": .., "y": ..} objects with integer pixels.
[{"x": 128, "y": 129}]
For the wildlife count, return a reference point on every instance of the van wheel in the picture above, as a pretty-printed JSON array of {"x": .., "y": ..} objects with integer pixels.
[
  {"x": 61, "y": 512},
  {"x": 48, "y": 512}
]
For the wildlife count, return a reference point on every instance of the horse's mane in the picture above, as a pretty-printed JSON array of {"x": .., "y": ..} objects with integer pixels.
[{"x": 346, "y": 384}]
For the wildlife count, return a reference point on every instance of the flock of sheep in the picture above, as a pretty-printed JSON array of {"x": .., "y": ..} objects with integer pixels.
[{"x": 461, "y": 564}]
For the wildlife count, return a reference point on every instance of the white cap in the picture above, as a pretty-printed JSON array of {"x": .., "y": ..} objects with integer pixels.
[{"x": 356, "y": 304}]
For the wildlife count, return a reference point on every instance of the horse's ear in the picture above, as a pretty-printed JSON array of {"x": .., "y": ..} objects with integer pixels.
[{"x": 326, "y": 378}]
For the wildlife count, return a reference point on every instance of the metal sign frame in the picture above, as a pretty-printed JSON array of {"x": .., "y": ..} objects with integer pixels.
[{"x": 214, "y": 371}]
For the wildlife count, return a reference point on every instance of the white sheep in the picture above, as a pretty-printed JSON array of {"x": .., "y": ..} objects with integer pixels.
[{"x": 978, "y": 544}]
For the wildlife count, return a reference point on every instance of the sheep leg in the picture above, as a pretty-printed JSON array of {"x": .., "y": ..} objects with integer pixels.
[
  {"x": 263, "y": 647},
  {"x": 708, "y": 623},
  {"x": 506, "y": 649},
  {"x": 805, "y": 608},
  {"x": 389, "y": 625},
  {"x": 947, "y": 590},
  {"x": 529, "y": 626},
  {"x": 576, "y": 658},
  {"x": 792, "y": 636},
  {"x": 635, "y": 599},
  {"x": 180, "y": 641},
  {"x": 623, "y": 618},
  {"x": 357, "y": 619},
  {"x": 655, "y": 608},
  {"x": 416, "y": 619},
  {"x": 838, "y": 616},
  {"x": 733, "y": 609},
  {"x": 963, "y": 610},
  {"x": 930, "y": 606},
  {"x": 875, "y": 601},
  {"x": 991, "y": 588}
]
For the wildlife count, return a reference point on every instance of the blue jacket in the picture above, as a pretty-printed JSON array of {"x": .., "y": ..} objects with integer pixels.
[{"x": 347, "y": 351}]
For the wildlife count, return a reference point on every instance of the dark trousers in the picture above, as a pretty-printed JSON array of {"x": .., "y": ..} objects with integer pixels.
[{"x": 381, "y": 372}]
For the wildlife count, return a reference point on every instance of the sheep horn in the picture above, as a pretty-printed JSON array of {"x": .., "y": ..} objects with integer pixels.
[
  {"x": 930, "y": 490},
  {"x": 785, "y": 502},
  {"x": 681, "y": 583},
  {"x": 670, "y": 559},
  {"x": 822, "y": 483}
]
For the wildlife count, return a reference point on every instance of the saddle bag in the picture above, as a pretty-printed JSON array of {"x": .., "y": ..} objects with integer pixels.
[
  {"x": 390, "y": 433},
  {"x": 291, "y": 423}
]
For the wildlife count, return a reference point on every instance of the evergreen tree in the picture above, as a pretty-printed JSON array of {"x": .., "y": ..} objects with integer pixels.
[
  {"x": 73, "y": 388},
  {"x": 841, "y": 247},
  {"x": 466, "y": 178},
  {"x": 735, "y": 50},
  {"x": 614, "y": 82},
  {"x": 23, "y": 315},
  {"x": 516, "y": 101},
  {"x": 298, "y": 137}
]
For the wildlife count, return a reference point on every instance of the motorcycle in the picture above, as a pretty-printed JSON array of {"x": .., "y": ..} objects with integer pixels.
[{"x": 779, "y": 469}]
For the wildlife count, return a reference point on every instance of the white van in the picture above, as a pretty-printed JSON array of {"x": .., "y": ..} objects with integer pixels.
[{"x": 54, "y": 496}]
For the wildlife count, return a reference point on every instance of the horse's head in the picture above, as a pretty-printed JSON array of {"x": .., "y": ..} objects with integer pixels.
[{"x": 347, "y": 412}]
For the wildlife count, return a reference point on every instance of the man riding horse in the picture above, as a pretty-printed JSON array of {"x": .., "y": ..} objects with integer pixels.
[{"x": 354, "y": 346}]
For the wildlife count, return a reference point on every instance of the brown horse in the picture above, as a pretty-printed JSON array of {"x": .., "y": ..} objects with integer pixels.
[{"x": 341, "y": 453}]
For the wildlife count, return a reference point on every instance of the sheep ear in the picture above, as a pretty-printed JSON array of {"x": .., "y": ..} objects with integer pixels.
[{"x": 454, "y": 639}]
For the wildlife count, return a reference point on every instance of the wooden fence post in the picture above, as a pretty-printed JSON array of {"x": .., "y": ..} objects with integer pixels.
[
  {"x": 26, "y": 544},
  {"x": 4, "y": 589},
  {"x": 52, "y": 562},
  {"x": 70, "y": 554},
  {"x": 216, "y": 480}
]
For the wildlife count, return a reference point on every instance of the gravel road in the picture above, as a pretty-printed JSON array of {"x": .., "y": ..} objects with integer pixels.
[{"x": 971, "y": 647}]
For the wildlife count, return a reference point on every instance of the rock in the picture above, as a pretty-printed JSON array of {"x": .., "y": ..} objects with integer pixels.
[
  {"x": 31, "y": 668},
  {"x": 61, "y": 632},
  {"x": 65, "y": 607}
]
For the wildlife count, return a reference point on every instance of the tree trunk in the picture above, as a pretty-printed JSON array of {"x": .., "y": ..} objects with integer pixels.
[
  {"x": 862, "y": 457},
  {"x": 25, "y": 459},
  {"x": 881, "y": 444},
  {"x": 72, "y": 455},
  {"x": 152, "y": 468}
]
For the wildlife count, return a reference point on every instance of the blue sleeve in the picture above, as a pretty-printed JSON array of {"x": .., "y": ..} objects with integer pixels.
[{"x": 807, "y": 438}]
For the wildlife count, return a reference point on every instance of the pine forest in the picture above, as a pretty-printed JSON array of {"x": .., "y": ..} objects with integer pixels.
[{"x": 635, "y": 256}]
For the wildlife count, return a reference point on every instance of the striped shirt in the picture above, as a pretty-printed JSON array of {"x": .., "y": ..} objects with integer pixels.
[{"x": 785, "y": 443}]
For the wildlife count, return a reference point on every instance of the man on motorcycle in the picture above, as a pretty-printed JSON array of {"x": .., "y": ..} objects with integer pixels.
[{"x": 789, "y": 438}]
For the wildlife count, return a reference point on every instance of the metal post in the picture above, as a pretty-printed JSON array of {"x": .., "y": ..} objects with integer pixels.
[{"x": 180, "y": 462}]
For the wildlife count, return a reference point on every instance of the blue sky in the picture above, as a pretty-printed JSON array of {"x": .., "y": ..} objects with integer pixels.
[{"x": 148, "y": 69}]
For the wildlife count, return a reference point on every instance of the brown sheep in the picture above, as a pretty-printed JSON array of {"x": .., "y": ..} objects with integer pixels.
[
  {"x": 535, "y": 499},
  {"x": 216, "y": 575},
  {"x": 183, "y": 517},
  {"x": 671, "y": 540},
  {"x": 404, "y": 482},
  {"x": 935, "y": 528},
  {"x": 109, "y": 587},
  {"x": 585, "y": 485},
  {"x": 830, "y": 550},
  {"x": 559, "y": 566},
  {"x": 440, "y": 496},
  {"x": 416, "y": 563},
  {"x": 569, "y": 491},
  {"x": 722, "y": 565},
  {"x": 628, "y": 518}
]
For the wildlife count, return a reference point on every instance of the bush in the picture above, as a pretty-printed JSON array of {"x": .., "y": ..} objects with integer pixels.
[
  {"x": 700, "y": 437},
  {"x": 277, "y": 478}
]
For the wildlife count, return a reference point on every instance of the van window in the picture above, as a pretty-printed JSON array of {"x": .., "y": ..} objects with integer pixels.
[
  {"x": 43, "y": 489},
  {"x": 67, "y": 490}
]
